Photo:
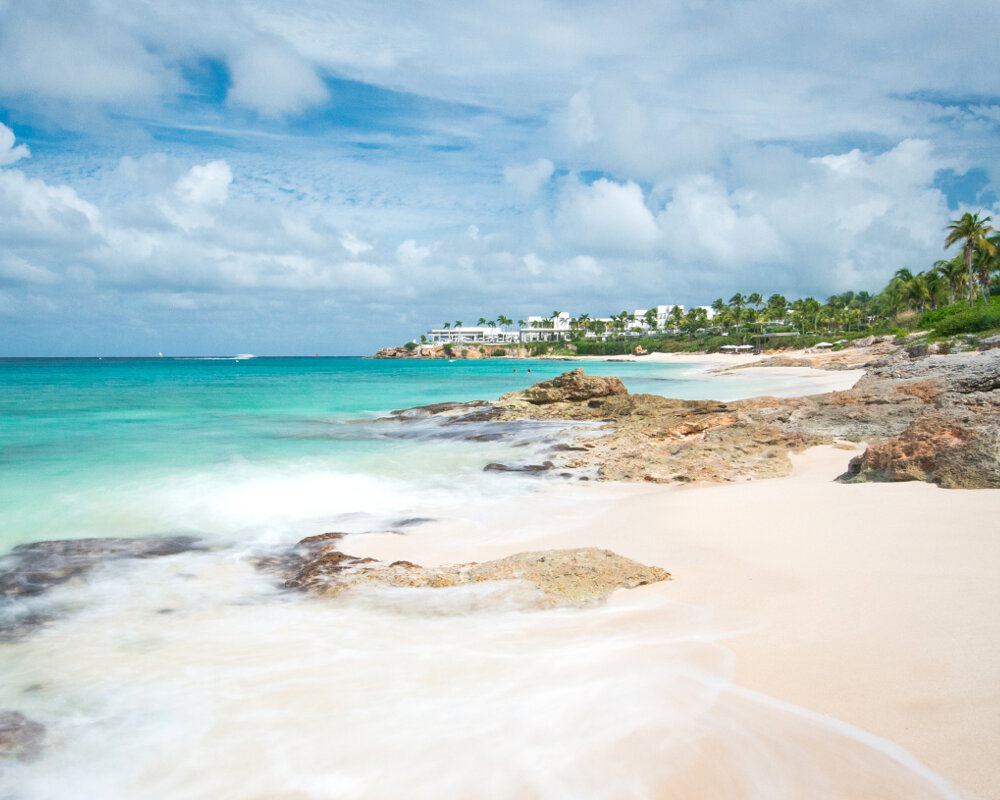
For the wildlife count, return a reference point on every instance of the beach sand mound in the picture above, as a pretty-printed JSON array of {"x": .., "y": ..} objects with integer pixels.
[{"x": 562, "y": 577}]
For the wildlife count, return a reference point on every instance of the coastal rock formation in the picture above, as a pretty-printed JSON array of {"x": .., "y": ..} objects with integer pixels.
[
  {"x": 20, "y": 737},
  {"x": 562, "y": 577},
  {"x": 955, "y": 439},
  {"x": 573, "y": 387},
  {"x": 956, "y": 399},
  {"x": 955, "y": 452},
  {"x": 30, "y": 569}
]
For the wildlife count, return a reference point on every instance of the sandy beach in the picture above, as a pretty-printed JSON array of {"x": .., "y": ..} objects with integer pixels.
[{"x": 871, "y": 604}]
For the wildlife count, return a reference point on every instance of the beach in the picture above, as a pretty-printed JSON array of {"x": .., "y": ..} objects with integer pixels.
[
  {"x": 869, "y": 604},
  {"x": 815, "y": 638}
]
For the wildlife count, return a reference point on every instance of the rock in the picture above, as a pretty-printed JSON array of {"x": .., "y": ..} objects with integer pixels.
[
  {"x": 573, "y": 387},
  {"x": 990, "y": 343},
  {"x": 917, "y": 350},
  {"x": 563, "y": 577},
  {"x": 31, "y": 569},
  {"x": 652, "y": 438},
  {"x": 545, "y": 466},
  {"x": 953, "y": 451},
  {"x": 20, "y": 737}
]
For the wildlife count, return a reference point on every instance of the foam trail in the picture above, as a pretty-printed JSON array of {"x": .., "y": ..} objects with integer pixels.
[{"x": 466, "y": 692}]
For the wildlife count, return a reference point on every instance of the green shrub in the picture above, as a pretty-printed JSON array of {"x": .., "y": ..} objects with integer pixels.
[
  {"x": 970, "y": 320},
  {"x": 538, "y": 348},
  {"x": 449, "y": 351},
  {"x": 410, "y": 346},
  {"x": 499, "y": 352}
]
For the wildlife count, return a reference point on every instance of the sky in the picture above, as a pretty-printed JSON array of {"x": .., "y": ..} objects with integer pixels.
[{"x": 320, "y": 177}]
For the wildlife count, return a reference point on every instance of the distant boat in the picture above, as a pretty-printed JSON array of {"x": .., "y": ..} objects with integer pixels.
[{"x": 244, "y": 356}]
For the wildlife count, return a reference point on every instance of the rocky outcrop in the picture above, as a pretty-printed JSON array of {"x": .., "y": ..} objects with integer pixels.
[
  {"x": 33, "y": 569},
  {"x": 573, "y": 387},
  {"x": 954, "y": 440},
  {"x": 652, "y": 438},
  {"x": 30, "y": 569},
  {"x": 560, "y": 577},
  {"x": 955, "y": 452},
  {"x": 20, "y": 737}
]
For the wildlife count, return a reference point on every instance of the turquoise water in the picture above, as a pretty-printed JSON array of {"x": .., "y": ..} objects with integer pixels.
[
  {"x": 262, "y": 446},
  {"x": 197, "y": 675},
  {"x": 136, "y": 446}
]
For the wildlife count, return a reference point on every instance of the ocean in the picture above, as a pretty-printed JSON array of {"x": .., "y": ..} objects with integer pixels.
[{"x": 197, "y": 675}]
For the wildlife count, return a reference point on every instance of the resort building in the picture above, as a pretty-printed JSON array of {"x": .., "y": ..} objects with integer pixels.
[
  {"x": 547, "y": 329},
  {"x": 466, "y": 334}
]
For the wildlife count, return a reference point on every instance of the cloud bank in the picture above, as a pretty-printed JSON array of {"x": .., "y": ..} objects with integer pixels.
[{"x": 333, "y": 177}]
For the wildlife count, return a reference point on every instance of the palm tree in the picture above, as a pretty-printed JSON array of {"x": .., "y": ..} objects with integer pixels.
[
  {"x": 737, "y": 302},
  {"x": 953, "y": 271},
  {"x": 974, "y": 231},
  {"x": 754, "y": 299},
  {"x": 458, "y": 323},
  {"x": 447, "y": 326},
  {"x": 984, "y": 263},
  {"x": 777, "y": 307},
  {"x": 482, "y": 322},
  {"x": 677, "y": 316}
]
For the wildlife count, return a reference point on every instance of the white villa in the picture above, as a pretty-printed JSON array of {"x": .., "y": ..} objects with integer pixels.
[
  {"x": 466, "y": 334},
  {"x": 549, "y": 329}
]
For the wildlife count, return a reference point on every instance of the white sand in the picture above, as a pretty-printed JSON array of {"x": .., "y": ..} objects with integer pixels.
[{"x": 874, "y": 604}]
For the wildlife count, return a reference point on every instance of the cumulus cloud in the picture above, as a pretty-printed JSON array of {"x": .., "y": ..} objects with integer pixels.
[
  {"x": 274, "y": 80},
  {"x": 606, "y": 217},
  {"x": 705, "y": 222},
  {"x": 410, "y": 254},
  {"x": 206, "y": 184},
  {"x": 75, "y": 53},
  {"x": 527, "y": 179},
  {"x": 8, "y": 152}
]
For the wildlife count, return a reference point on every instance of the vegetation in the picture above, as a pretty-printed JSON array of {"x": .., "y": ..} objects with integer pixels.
[{"x": 929, "y": 300}]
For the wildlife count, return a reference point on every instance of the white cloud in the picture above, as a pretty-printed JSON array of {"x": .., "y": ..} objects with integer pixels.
[
  {"x": 410, "y": 254},
  {"x": 274, "y": 80},
  {"x": 206, "y": 184},
  {"x": 705, "y": 222},
  {"x": 606, "y": 217},
  {"x": 8, "y": 152},
  {"x": 75, "y": 53},
  {"x": 353, "y": 245},
  {"x": 527, "y": 179}
]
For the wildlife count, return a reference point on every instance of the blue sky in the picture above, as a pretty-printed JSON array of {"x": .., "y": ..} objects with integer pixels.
[{"x": 208, "y": 178}]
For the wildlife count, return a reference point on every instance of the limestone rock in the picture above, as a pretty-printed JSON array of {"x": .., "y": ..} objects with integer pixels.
[
  {"x": 953, "y": 451},
  {"x": 573, "y": 387},
  {"x": 20, "y": 737},
  {"x": 31, "y": 569},
  {"x": 657, "y": 439},
  {"x": 561, "y": 576}
]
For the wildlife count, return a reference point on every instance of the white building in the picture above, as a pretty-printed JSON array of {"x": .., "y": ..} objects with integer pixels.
[
  {"x": 547, "y": 329},
  {"x": 472, "y": 335}
]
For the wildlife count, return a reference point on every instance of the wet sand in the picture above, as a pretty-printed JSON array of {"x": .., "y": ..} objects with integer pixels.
[{"x": 873, "y": 604}]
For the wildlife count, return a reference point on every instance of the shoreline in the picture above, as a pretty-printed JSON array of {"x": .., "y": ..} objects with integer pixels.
[{"x": 891, "y": 633}]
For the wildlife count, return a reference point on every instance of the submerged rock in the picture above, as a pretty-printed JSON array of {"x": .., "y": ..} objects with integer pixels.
[
  {"x": 31, "y": 569},
  {"x": 20, "y": 737},
  {"x": 561, "y": 576}
]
